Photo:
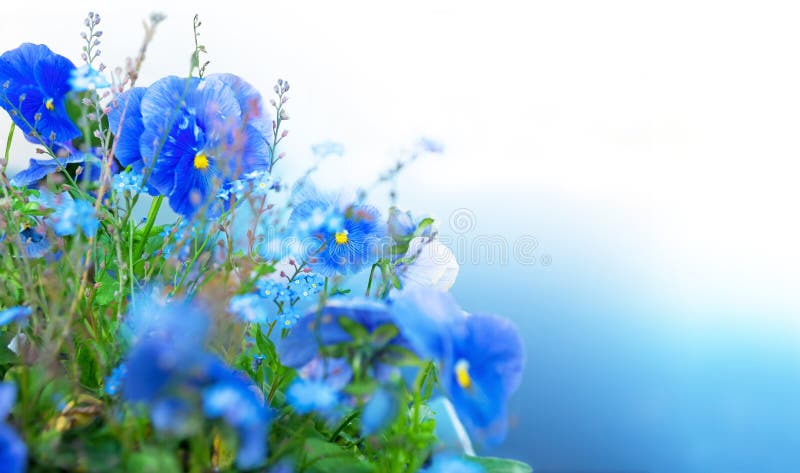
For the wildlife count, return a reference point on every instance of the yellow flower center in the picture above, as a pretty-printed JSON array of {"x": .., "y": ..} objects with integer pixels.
[
  {"x": 341, "y": 237},
  {"x": 200, "y": 161},
  {"x": 462, "y": 374},
  {"x": 48, "y": 104}
]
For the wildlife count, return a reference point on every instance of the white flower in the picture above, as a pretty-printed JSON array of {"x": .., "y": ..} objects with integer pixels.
[{"x": 433, "y": 265}]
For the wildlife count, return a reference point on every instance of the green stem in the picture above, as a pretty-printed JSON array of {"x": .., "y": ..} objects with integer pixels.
[
  {"x": 151, "y": 220},
  {"x": 8, "y": 145}
]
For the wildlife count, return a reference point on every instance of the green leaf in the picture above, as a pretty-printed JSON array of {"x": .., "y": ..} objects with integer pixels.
[
  {"x": 355, "y": 329},
  {"x": 151, "y": 460},
  {"x": 385, "y": 334},
  {"x": 501, "y": 465},
  {"x": 326, "y": 457}
]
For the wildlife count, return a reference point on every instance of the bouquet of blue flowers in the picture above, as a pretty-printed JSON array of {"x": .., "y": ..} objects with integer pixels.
[{"x": 169, "y": 303}]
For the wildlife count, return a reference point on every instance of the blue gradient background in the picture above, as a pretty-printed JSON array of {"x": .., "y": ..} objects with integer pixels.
[{"x": 650, "y": 147}]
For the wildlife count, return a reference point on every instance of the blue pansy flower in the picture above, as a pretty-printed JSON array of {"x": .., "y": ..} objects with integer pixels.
[
  {"x": 338, "y": 239},
  {"x": 40, "y": 168},
  {"x": 481, "y": 356},
  {"x": 321, "y": 328},
  {"x": 34, "y": 82},
  {"x": 13, "y": 452},
  {"x": 14, "y": 314},
  {"x": 195, "y": 136}
]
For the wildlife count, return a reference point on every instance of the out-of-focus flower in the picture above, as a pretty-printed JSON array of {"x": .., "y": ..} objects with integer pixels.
[
  {"x": 195, "y": 135},
  {"x": 34, "y": 242},
  {"x": 380, "y": 411},
  {"x": 250, "y": 308},
  {"x": 327, "y": 148},
  {"x": 312, "y": 395},
  {"x": 14, "y": 314},
  {"x": 87, "y": 78},
  {"x": 340, "y": 240},
  {"x": 319, "y": 386},
  {"x": 432, "y": 264},
  {"x": 446, "y": 463},
  {"x": 481, "y": 356},
  {"x": 169, "y": 369},
  {"x": 324, "y": 327},
  {"x": 430, "y": 145},
  {"x": 13, "y": 452},
  {"x": 238, "y": 403},
  {"x": 73, "y": 214},
  {"x": 34, "y": 82},
  {"x": 114, "y": 380}
]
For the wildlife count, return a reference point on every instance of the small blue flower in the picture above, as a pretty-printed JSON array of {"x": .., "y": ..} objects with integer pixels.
[
  {"x": 288, "y": 319},
  {"x": 339, "y": 240},
  {"x": 130, "y": 182},
  {"x": 13, "y": 452},
  {"x": 87, "y": 78},
  {"x": 73, "y": 214},
  {"x": 14, "y": 314},
  {"x": 34, "y": 82}
]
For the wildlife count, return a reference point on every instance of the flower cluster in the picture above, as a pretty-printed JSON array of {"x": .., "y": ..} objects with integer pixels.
[{"x": 260, "y": 325}]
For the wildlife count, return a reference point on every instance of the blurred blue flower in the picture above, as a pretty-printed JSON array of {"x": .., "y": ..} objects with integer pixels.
[
  {"x": 306, "y": 395},
  {"x": 327, "y": 148},
  {"x": 13, "y": 452},
  {"x": 14, "y": 314},
  {"x": 73, "y": 214},
  {"x": 322, "y": 328},
  {"x": 195, "y": 135},
  {"x": 34, "y": 82},
  {"x": 430, "y": 145},
  {"x": 240, "y": 405},
  {"x": 114, "y": 380},
  {"x": 339, "y": 240},
  {"x": 379, "y": 412},
  {"x": 169, "y": 369},
  {"x": 34, "y": 242},
  {"x": 250, "y": 308},
  {"x": 447, "y": 463},
  {"x": 481, "y": 356},
  {"x": 87, "y": 78}
]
